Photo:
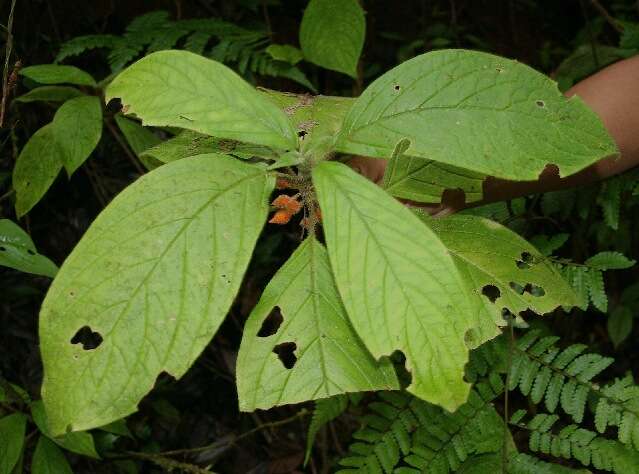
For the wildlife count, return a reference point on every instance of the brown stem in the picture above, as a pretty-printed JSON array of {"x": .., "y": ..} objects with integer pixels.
[
  {"x": 618, "y": 27},
  {"x": 5, "y": 73}
]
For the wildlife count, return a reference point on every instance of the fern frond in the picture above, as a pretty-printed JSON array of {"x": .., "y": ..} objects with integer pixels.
[
  {"x": 582, "y": 445},
  {"x": 81, "y": 44},
  {"x": 523, "y": 463},
  {"x": 609, "y": 261},
  {"x": 326, "y": 410},
  {"x": 609, "y": 199},
  {"x": 562, "y": 377}
]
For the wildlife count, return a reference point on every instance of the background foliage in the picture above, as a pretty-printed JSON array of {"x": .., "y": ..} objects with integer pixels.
[{"x": 590, "y": 235}]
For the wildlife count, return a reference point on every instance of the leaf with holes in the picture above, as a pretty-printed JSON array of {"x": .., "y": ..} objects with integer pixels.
[
  {"x": 18, "y": 251},
  {"x": 478, "y": 112},
  {"x": 422, "y": 180},
  {"x": 151, "y": 281},
  {"x": 502, "y": 266},
  {"x": 182, "y": 89},
  {"x": 298, "y": 344},
  {"x": 401, "y": 288},
  {"x": 332, "y": 34},
  {"x": 57, "y": 74}
]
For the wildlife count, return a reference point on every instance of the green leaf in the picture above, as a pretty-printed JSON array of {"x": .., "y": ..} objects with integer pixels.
[
  {"x": 547, "y": 245},
  {"x": 58, "y": 74},
  {"x": 422, "y": 180},
  {"x": 80, "y": 442},
  {"x": 491, "y": 255},
  {"x": 316, "y": 119},
  {"x": 139, "y": 138},
  {"x": 620, "y": 324},
  {"x": 18, "y": 251},
  {"x": 314, "y": 351},
  {"x": 36, "y": 168},
  {"x": 50, "y": 94},
  {"x": 596, "y": 289},
  {"x": 48, "y": 459},
  {"x": 326, "y": 410},
  {"x": 78, "y": 128},
  {"x": 332, "y": 34},
  {"x": 609, "y": 261},
  {"x": 182, "y": 89},
  {"x": 584, "y": 61},
  {"x": 285, "y": 52},
  {"x": 12, "y": 430},
  {"x": 478, "y": 112},
  {"x": 152, "y": 279},
  {"x": 401, "y": 288}
]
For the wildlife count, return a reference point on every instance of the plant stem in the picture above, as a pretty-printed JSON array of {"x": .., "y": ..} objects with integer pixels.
[{"x": 5, "y": 74}]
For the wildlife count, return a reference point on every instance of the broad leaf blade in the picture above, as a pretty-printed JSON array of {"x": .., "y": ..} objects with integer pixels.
[
  {"x": 36, "y": 168},
  {"x": 154, "y": 276},
  {"x": 422, "y": 180},
  {"x": 78, "y": 128},
  {"x": 332, "y": 34},
  {"x": 182, "y": 89},
  {"x": 491, "y": 255},
  {"x": 18, "y": 251},
  {"x": 330, "y": 357},
  {"x": 57, "y": 74},
  {"x": 400, "y": 287},
  {"x": 49, "y": 459},
  {"x": 49, "y": 93},
  {"x": 12, "y": 430},
  {"x": 478, "y": 112}
]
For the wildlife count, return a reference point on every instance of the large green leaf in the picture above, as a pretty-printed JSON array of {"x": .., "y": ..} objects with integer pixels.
[
  {"x": 422, "y": 180},
  {"x": 58, "y": 74},
  {"x": 36, "y": 168},
  {"x": 401, "y": 288},
  {"x": 478, "y": 112},
  {"x": 78, "y": 128},
  {"x": 12, "y": 430},
  {"x": 327, "y": 355},
  {"x": 79, "y": 442},
  {"x": 18, "y": 251},
  {"x": 332, "y": 34},
  {"x": 48, "y": 459},
  {"x": 185, "y": 90},
  {"x": 49, "y": 93},
  {"x": 149, "y": 284},
  {"x": 502, "y": 267}
]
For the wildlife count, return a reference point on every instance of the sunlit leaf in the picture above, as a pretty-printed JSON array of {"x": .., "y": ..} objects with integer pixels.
[
  {"x": 57, "y": 74},
  {"x": 147, "y": 286}
]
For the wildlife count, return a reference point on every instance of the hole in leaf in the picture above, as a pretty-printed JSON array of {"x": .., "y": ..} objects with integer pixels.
[
  {"x": 535, "y": 290},
  {"x": 525, "y": 261},
  {"x": 302, "y": 134},
  {"x": 540, "y": 103},
  {"x": 517, "y": 288},
  {"x": 30, "y": 252},
  {"x": 286, "y": 353},
  {"x": 271, "y": 323},
  {"x": 2, "y": 249},
  {"x": 397, "y": 87},
  {"x": 499, "y": 69},
  {"x": 88, "y": 338},
  {"x": 491, "y": 292},
  {"x": 507, "y": 315}
]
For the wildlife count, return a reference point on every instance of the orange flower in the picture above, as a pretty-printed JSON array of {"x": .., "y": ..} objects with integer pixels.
[
  {"x": 288, "y": 203},
  {"x": 281, "y": 217}
]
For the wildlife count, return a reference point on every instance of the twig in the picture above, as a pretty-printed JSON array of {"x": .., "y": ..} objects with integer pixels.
[
  {"x": 124, "y": 146},
  {"x": 7, "y": 195},
  {"x": 169, "y": 464},
  {"x": 5, "y": 73},
  {"x": 267, "y": 20},
  {"x": 618, "y": 27}
]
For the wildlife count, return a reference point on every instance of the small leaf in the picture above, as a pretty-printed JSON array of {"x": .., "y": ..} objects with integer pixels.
[
  {"x": 139, "y": 138},
  {"x": 609, "y": 261},
  {"x": 401, "y": 289},
  {"x": 78, "y": 128},
  {"x": 36, "y": 168},
  {"x": 291, "y": 158},
  {"x": 285, "y": 52},
  {"x": 549, "y": 244},
  {"x": 182, "y": 89},
  {"x": 620, "y": 324},
  {"x": 58, "y": 74},
  {"x": 18, "y": 251},
  {"x": 596, "y": 289},
  {"x": 332, "y": 34},
  {"x": 478, "y": 112},
  {"x": 326, "y": 410},
  {"x": 329, "y": 358},
  {"x": 422, "y": 180},
  {"x": 12, "y": 430},
  {"x": 148, "y": 286},
  {"x": 48, "y": 459},
  {"x": 50, "y": 94},
  {"x": 80, "y": 442}
]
